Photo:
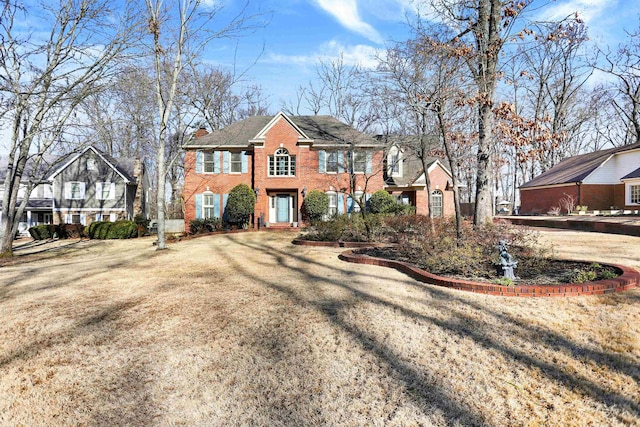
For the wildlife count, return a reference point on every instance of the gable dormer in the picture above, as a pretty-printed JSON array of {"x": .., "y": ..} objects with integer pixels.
[{"x": 281, "y": 128}]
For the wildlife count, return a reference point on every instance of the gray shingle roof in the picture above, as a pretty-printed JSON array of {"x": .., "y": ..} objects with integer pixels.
[
  {"x": 323, "y": 130},
  {"x": 51, "y": 164},
  {"x": 576, "y": 168}
]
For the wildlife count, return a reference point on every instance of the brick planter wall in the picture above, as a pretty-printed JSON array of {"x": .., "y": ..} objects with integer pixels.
[{"x": 628, "y": 279}]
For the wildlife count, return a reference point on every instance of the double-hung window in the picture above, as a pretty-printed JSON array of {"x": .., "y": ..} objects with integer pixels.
[
  {"x": 332, "y": 161},
  {"x": 105, "y": 190},
  {"x": 208, "y": 161},
  {"x": 235, "y": 161},
  {"x": 333, "y": 204},
  {"x": 359, "y": 162},
  {"x": 282, "y": 164},
  {"x": 436, "y": 203},
  {"x": 207, "y": 206},
  {"x": 74, "y": 190}
]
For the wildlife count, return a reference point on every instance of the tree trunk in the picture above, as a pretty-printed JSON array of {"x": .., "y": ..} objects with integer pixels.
[{"x": 484, "y": 206}]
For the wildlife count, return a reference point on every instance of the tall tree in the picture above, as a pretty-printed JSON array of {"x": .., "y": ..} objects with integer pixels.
[
  {"x": 43, "y": 79},
  {"x": 179, "y": 34},
  {"x": 483, "y": 28}
]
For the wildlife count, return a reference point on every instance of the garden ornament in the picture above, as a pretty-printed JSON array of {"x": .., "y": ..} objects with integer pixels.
[{"x": 506, "y": 261}]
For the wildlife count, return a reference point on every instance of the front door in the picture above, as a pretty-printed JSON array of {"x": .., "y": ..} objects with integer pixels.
[{"x": 282, "y": 208}]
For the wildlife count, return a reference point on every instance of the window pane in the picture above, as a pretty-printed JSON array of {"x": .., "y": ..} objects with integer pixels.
[
  {"x": 208, "y": 162},
  {"x": 635, "y": 193},
  {"x": 359, "y": 162},
  {"x": 106, "y": 190},
  {"x": 332, "y": 161},
  {"x": 236, "y": 162}
]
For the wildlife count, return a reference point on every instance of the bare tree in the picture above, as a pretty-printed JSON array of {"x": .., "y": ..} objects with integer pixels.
[
  {"x": 179, "y": 34},
  {"x": 44, "y": 78},
  {"x": 624, "y": 65}
]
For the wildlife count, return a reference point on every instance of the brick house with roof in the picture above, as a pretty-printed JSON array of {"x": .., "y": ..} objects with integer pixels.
[
  {"x": 601, "y": 180},
  {"x": 284, "y": 157}
]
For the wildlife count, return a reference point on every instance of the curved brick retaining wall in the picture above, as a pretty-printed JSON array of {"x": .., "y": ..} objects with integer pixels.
[{"x": 628, "y": 279}]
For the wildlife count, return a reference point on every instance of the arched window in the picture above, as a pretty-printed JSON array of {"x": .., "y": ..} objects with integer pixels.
[
  {"x": 436, "y": 203},
  {"x": 282, "y": 164}
]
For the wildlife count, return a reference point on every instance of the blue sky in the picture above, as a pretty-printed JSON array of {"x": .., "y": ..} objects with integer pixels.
[{"x": 302, "y": 31}]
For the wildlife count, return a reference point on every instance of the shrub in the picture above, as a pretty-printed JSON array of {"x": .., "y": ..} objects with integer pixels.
[
  {"x": 315, "y": 206},
  {"x": 240, "y": 205},
  {"x": 382, "y": 202},
  {"x": 112, "y": 230},
  {"x": 44, "y": 231},
  {"x": 71, "y": 231},
  {"x": 440, "y": 252},
  {"x": 199, "y": 226}
]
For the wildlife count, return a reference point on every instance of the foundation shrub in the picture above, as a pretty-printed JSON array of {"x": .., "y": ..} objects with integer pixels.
[
  {"x": 240, "y": 205},
  {"x": 200, "y": 226},
  {"x": 44, "y": 231},
  {"x": 382, "y": 202},
  {"x": 112, "y": 230},
  {"x": 315, "y": 206}
]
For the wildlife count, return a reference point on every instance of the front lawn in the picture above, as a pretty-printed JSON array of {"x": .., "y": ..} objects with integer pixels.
[{"x": 247, "y": 329}]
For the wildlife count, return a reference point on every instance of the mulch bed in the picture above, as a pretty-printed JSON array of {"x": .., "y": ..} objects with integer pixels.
[{"x": 556, "y": 272}]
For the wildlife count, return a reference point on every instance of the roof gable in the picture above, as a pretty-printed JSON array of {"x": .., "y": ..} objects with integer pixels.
[
  {"x": 116, "y": 165},
  {"x": 260, "y": 137}
]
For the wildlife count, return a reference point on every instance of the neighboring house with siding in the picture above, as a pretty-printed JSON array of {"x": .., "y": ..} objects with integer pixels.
[
  {"x": 284, "y": 157},
  {"x": 84, "y": 187},
  {"x": 603, "y": 179}
]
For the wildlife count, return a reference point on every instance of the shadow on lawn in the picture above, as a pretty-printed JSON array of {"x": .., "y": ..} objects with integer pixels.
[
  {"x": 460, "y": 324},
  {"x": 104, "y": 405}
]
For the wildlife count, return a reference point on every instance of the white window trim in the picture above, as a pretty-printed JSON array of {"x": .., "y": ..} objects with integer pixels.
[
  {"x": 627, "y": 191},
  {"x": 326, "y": 162},
  {"x": 100, "y": 187},
  {"x": 353, "y": 162},
  {"x": 213, "y": 161},
  {"x": 231, "y": 153},
  {"x": 273, "y": 158},
  {"x": 206, "y": 206},
  {"x": 332, "y": 193},
  {"x": 68, "y": 190},
  {"x": 357, "y": 196},
  {"x": 394, "y": 151}
]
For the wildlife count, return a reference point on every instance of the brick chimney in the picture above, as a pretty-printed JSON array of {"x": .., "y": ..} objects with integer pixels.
[{"x": 201, "y": 132}]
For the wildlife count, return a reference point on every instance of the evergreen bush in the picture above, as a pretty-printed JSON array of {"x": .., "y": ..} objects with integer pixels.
[
  {"x": 315, "y": 206},
  {"x": 382, "y": 202},
  {"x": 240, "y": 205}
]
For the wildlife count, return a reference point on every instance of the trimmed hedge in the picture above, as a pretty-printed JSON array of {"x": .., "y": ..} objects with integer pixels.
[
  {"x": 62, "y": 231},
  {"x": 44, "y": 231},
  {"x": 112, "y": 230}
]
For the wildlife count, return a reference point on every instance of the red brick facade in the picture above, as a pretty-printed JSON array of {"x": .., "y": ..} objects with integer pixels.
[
  {"x": 534, "y": 201},
  {"x": 277, "y": 193}
]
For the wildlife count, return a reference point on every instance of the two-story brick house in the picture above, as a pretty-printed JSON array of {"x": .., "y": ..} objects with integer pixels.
[{"x": 284, "y": 157}]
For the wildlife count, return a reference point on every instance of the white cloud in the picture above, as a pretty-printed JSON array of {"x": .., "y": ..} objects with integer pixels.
[
  {"x": 362, "y": 55},
  {"x": 587, "y": 10},
  {"x": 346, "y": 12}
]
